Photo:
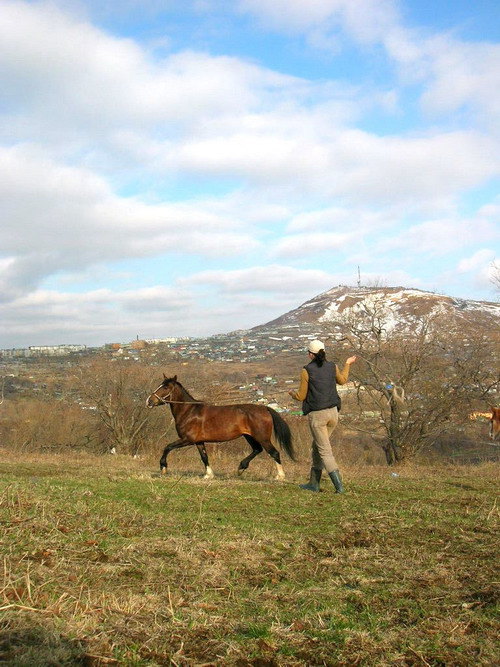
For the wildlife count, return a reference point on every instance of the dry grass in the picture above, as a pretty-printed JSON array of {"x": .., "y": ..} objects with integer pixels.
[{"x": 104, "y": 562}]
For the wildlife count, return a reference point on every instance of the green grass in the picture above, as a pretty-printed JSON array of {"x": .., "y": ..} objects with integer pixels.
[{"x": 104, "y": 562}]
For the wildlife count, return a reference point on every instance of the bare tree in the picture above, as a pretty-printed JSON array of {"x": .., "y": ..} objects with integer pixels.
[
  {"x": 39, "y": 423},
  {"x": 473, "y": 371},
  {"x": 412, "y": 385},
  {"x": 116, "y": 391},
  {"x": 495, "y": 274}
]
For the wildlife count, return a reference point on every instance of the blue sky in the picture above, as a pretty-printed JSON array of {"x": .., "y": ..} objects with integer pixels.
[{"x": 193, "y": 168}]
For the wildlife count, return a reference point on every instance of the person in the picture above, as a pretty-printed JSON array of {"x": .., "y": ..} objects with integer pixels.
[{"x": 321, "y": 402}]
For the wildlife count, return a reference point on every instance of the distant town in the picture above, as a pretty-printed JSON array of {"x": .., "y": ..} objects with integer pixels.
[
  {"x": 241, "y": 346},
  {"x": 266, "y": 380}
]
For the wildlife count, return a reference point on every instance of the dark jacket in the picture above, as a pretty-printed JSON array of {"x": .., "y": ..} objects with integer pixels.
[{"x": 322, "y": 388}]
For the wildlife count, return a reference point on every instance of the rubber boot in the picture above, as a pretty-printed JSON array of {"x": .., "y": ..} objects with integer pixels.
[
  {"x": 337, "y": 482},
  {"x": 314, "y": 479}
]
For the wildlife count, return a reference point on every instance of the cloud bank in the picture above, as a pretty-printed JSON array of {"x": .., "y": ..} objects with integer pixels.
[{"x": 223, "y": 189}]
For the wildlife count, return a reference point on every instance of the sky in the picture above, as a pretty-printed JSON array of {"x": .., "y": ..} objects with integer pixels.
[{"x": 190, "y": 168}]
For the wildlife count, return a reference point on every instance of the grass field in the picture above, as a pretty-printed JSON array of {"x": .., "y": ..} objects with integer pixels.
[{"x": 106, "y": 563}]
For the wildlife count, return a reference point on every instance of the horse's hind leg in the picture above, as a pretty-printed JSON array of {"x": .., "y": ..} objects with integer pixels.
[
  {"x": 256, "y": 449},
  {"x": 204, "y": 457},
  {"x": 275, "y": 455}
]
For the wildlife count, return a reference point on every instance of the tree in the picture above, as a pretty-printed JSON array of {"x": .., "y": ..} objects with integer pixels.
[
  {"x": 495, "y": 274},
  {"x": 117, "y": 392},
  {"x": 412, "y": 385}
]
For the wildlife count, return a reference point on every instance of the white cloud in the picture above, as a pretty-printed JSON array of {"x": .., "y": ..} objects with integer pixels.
[
  {"x": 365, "y": 20},
  {"x": 391, "y": 169},
  {"x": 97, "y": 316},
  {"x": 480, "y": 259},
  {"x": 104, "y": 101},
  {"x": 187, "y": 308},
  {"x": 59, "y": 218},
  {"x": 455, "y": 73},
  {"x": 223, "y": 157},
  {"x": 74, "y": 80},
  {"x": 353, "y": 164},
  {"x": 351, "y": 219},
  {"x": 273, "y": 278},
  {"x": 312, "y": 243},
  {"x": 440, "y": 237},
  {"x": 463, "y": 75},
  {"x": 480, "y": 266}
]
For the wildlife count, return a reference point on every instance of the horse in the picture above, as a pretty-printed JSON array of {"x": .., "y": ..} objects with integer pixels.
[
  {"x": 198, "y": 422},
  {"x": 494, "y": 423}
]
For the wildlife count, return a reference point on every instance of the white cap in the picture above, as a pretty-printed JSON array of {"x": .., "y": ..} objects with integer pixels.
[{"x": 315, "y": 346}]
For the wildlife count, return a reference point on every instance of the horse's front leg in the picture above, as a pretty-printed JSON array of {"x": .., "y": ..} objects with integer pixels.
[
  {"x": 209, "y": 474},
  {"x": 182, "y": 442}
]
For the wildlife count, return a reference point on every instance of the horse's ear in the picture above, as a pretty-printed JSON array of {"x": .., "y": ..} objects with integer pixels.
[
  {"x": 164, "y": 376},
  {"x": 175, "y": 378}
]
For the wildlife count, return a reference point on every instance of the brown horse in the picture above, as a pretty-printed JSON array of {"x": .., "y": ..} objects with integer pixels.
[
  {"x": 495, "y": 423},
  {"x": 197, "y": 422}
]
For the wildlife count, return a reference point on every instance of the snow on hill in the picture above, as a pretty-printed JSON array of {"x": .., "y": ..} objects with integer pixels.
[{"x": 401, "y": 307}]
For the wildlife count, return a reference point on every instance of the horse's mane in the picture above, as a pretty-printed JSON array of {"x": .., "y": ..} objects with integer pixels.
[{"x": 183, "y": 389}]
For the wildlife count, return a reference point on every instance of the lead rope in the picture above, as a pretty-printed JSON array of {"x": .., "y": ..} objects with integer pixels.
[{"x": 166, "y": 401}]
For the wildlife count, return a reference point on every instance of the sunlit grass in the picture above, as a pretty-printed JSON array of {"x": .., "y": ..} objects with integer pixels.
[{"x": 106, "y": 561}]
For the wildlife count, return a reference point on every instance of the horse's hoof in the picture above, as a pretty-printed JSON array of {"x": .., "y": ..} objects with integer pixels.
[
  {"x": 209, "y": 473},
  {"x": 280, "y": 478},
  {"x": 163, "y": 470},
  {"x": 241, "y": 471}
]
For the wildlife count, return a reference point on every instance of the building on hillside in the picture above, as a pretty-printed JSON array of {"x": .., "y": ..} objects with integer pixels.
[
  {"x": 55, "y": 350},
  {"x": 138, "y": 344},
  {"x": 41, "y": 351}
]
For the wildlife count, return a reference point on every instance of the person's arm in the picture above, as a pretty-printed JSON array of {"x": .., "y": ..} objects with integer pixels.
[
  {"x": 342, "y": 376},
  {"x": 304, "y": 384}
]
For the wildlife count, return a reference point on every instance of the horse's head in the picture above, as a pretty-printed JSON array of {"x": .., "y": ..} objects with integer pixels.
[
  {"x": 163, "y": 394},
  {"x": 495, "y": 423}
]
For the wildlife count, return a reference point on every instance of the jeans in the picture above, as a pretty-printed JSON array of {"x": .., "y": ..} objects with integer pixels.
[{"x": 322, "y": 423}]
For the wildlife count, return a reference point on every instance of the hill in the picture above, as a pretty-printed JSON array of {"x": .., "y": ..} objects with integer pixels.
[{"x": 401, "y": 308}]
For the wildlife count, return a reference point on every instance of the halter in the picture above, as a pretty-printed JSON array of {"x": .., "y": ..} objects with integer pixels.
[
  {"x": 167, "y": 399},
  {"x": 162, "y": 399}
]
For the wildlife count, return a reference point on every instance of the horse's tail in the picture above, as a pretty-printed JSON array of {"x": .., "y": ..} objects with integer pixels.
[{"x": 282, "y": 433}]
